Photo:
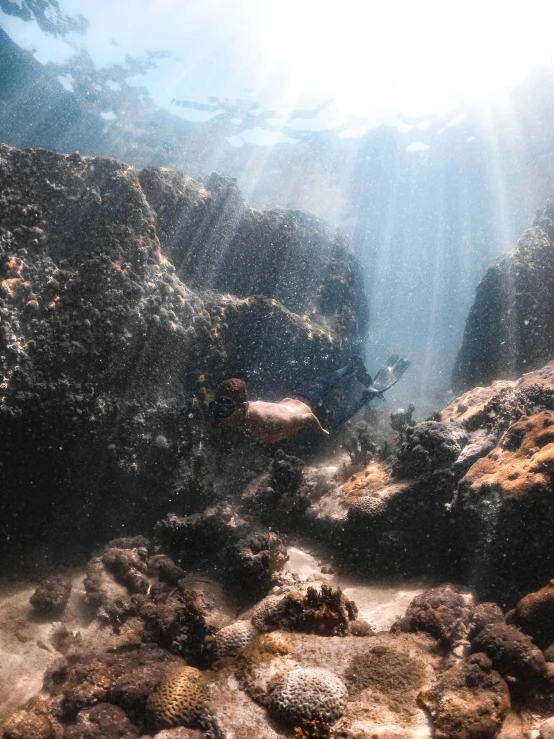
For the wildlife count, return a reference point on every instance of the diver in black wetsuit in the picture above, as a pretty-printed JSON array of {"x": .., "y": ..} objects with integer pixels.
[{"x": 314, "y": 393}]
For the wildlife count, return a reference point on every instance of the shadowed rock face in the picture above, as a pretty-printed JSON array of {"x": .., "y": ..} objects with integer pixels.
[
  {"x": 99, "y": 336},
  {"x": 217, "y": 241},
  {"x": 510, "y": 328}
]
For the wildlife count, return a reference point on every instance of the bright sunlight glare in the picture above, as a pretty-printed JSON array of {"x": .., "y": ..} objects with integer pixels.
[
  {"x": 371, "y": 61},
  {"x": 414, "y": 58}
]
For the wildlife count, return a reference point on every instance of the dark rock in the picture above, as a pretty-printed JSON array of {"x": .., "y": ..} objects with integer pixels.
[
  {"x": 131, "y": 690},
  {"x": 210, "y": 234},
  {"x": 103, "y": 721},
  {"x": 443, "y": 612},
  {"x": 534, "y": 614},
  {"x": 327, "y": 612},
  {"x": 485, "y": 614},
  {"x": 503, "y": 508},
  {"x": 469, "y": 701},
  {"x": 90, "y": 677},
  {"x": 218, "y": 541},
  {"x": 108, "y": 357},
  {"x": 511, "y": 652},
  {"x": 51, "y": 596},
  {"x": 383, "y": 530},
  {"x": 28, "y": 725},
  {"x": 429, "y": 446},
  {"x": 129, "y": 567},
  {"x": 510, "y": 327},
  {"x": 180, "y": 622},
  {"x": 165, "y": 568}
]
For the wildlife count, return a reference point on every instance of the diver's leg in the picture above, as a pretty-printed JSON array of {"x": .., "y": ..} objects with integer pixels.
[
  {"x": 341, "y": 415},
  {"x": 313, "y": 392}
]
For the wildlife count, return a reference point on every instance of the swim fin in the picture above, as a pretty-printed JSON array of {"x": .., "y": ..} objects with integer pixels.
[{"x": 389, "y": 374}]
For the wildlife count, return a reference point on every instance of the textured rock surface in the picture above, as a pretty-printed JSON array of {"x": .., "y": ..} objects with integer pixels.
[
  {"x": 101, "y": 722},
  {"x": 443, "y": 613},
  {"x": 209, "y": 234},
  {"x": 534, "y": 614},
  {"x": 469, "y": 701},
  {"x": 429, "y": 446},
  {"x": 511, "y": 652},
  {"x": 219, "y": 541},
  {"x": 510, "y": 328},
  {"x": 504, "y": 505},
  {"x": 99, "y": 336},
  {"x": 51, "y": 596}
]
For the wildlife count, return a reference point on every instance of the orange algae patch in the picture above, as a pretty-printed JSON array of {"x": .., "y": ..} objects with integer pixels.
[
  {"x": 12, "y": 284},
  {"x": 523, "y": 462},
  {"x": 371, "y": 479}
]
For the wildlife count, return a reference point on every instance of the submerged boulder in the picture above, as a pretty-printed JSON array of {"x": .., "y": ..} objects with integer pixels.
[
  {"x": 244, "y": 557},
  {"x": 469, "y": 701},
  {"x": 510, "y": 327},
  {"x": 504, "y": 506}
]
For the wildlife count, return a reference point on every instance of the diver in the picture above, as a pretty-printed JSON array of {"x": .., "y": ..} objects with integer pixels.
[{"x": 305, "y": 406}]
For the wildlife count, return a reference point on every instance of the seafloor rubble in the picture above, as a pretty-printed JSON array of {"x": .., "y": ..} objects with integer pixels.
[{"x": 187, "y": 620}]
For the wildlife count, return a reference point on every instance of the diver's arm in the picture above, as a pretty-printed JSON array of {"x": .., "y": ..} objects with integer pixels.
[{"x": 312, "y": 422}]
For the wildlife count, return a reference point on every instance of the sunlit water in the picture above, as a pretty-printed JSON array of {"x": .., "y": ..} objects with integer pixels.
[{"x": 417, "y": 128}]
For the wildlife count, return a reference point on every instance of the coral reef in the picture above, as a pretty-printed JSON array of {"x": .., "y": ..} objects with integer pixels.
[
  {"x": 326, "y": 611},
  {"x": 511, "y": 652},
  {"x": 429, "y": 446},
  {"x": 28, "y": 725},
  {"x": 308, "y": 693},
  {"x": 51, "y": 596},
  {"x": 113, "y": 355},
  {"x": 502, "y": 498}
]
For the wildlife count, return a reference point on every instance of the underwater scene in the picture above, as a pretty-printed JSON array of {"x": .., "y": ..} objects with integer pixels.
[{"x": 276, "y": 369}]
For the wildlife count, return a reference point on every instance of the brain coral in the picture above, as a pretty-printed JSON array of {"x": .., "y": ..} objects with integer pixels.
[
  {"x": 180, "y": 698},
  {"x": 308, "y": 694},
  {"x": 265, "y": 613},
  {"x": 231, "y": 639}
]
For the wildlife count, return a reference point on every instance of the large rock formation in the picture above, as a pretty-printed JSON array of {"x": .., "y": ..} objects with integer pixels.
[
  {"x": 510, "y": 328},
  {"x": 464, "y": 498},
  {"x": 108, "y": 358}
]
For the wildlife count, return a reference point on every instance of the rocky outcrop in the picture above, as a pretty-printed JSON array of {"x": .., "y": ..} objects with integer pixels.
[
  {"x": 109, "y": 353},
  {"x": 464, "y": 497},
  {"x": 216, "y": 240},
  {"x": 510, "y": 328},
  {"x": 219, "y": 542}
]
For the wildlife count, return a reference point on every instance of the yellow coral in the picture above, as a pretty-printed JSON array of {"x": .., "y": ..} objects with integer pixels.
[{"x": 313, "y": 730}]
